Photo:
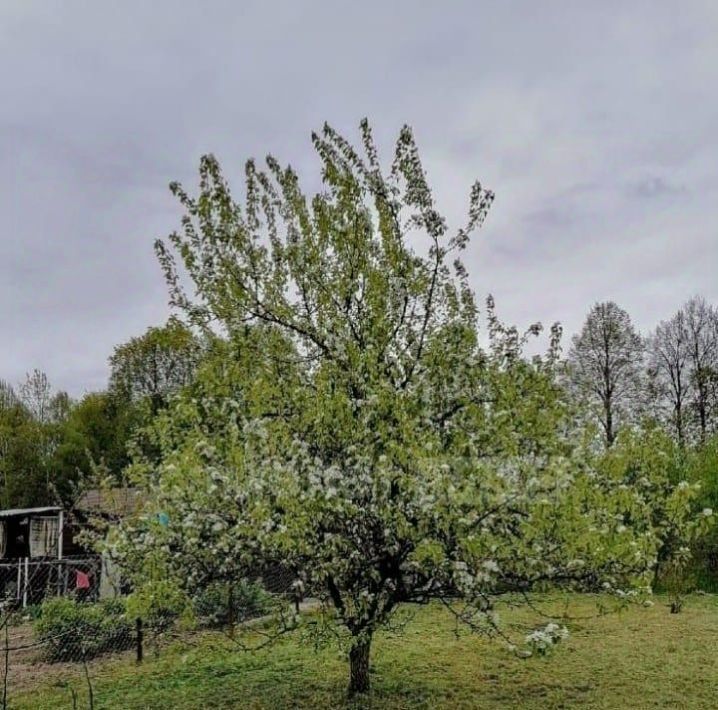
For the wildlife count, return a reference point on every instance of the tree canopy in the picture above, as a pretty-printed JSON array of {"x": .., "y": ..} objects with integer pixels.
[{"x": 359, "y": 435}]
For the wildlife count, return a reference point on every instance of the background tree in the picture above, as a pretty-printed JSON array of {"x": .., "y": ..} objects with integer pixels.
[
  {"x": 23, "y": 471},
  {"x": 701, "y": 320},
  {"x": 60, "y": 406},
  {"x": 669, "y": 372},
  {"x": 154, "y": 365},
  {"x": 605, "y": 367},
  {"x": 48, "y": 409},
  {"x": 48, "y": 442},
  {"x": 36, "y": 394},
  {"x": 701, "y": 465},
  {"x": 649, "y": 460},
  {"x": 362, "y": 463},
  {"x": 7, "y": 395},
  {"x": 97, "y": 431}
]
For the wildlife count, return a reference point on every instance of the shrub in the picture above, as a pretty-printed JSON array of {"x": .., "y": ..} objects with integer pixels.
[
  {"x": 71, "y": 631},
  {"x": 159, "y": 603},
  {"x": 248, "y": 600}
]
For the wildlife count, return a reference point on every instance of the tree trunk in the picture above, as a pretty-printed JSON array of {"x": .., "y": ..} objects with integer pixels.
[
  {"x": 610, "y": 435},
  {"x": 359, "y": 666},
  {"x": 679, "y": 424},
  {"x": 703, "y": 419}
]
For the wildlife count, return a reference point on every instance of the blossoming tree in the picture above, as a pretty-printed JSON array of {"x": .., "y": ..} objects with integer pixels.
[
  {"x": 352, "y": 428},
  {"x": 651, "y": 465}
]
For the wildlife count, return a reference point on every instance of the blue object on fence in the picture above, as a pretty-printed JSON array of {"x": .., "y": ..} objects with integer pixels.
[{"x": 164, "y": 519}]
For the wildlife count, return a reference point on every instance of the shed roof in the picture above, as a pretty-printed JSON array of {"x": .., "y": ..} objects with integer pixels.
[
  {"x": 13, "y": 512},
  {"x": 111, "y": 501}
]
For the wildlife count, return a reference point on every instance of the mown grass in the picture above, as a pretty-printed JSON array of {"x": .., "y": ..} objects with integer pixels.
[{"x": 639, "y": 658}]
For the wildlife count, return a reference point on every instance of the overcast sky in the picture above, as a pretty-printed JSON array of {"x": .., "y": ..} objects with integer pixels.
[{"x": 596, "y": 124}]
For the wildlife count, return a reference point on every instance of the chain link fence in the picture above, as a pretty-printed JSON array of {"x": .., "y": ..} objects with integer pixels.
[
  {"x": 55, "y": 624},
  {"x": 26, "y": 582}
]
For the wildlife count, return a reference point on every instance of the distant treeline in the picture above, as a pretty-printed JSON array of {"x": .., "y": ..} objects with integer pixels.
[
  {"x": 613, "y": 376},
  {"x": 50, "y": 444}
]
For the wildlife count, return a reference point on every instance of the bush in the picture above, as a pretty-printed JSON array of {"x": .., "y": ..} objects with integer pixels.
[
  {"x": 703, "y": 466},
  {"x": 71, "y": 631},
  {"x": 248, "y": 600},
  {"x": 159, "y": 603}
]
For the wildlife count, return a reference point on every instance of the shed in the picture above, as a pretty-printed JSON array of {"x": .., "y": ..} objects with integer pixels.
[{"x": 31, "y": 532}]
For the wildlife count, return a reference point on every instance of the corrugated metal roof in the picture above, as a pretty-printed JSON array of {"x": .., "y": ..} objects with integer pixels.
[{"x": 11, "y": 513}]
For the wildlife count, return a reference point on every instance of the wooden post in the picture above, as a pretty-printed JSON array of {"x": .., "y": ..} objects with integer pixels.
[
  {"x": 27, "y": 581},
  {"x": 230, "y": 609},
  {"x": 139, "y": 640},
  {"x": 19, "y": 579},
  {"x": 60, "y": 526},
  {"x": 60, "y": 540}
]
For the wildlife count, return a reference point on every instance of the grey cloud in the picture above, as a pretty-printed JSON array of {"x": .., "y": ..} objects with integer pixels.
[{"x": 656, "y": 186}]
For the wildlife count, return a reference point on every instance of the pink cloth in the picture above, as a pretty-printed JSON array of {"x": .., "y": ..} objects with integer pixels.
[{"x": 82, "y": 581}]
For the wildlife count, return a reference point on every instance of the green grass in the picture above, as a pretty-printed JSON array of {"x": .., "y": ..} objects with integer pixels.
[{"x": 640, "y": 658}]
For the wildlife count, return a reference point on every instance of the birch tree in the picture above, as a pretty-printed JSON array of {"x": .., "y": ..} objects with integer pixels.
[{"x": 36, "y": 394}]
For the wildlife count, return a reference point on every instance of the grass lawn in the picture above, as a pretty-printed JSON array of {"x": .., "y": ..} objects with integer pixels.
[{"x": 640, "y": 658}]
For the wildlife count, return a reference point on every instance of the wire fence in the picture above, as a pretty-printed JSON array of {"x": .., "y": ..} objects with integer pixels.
[
  {"x": 29, "y": 581},
  {"x": 66, "y": 618},
  {"x": 56, "y": 624}
]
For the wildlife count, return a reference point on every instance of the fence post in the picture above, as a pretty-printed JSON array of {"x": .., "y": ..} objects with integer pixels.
[
  {"x": 60, "y": 533},
  {"x": 139, "y": 640},
  {"x": 27, "y": 582},
  {"x": 230, "y": 609}
]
